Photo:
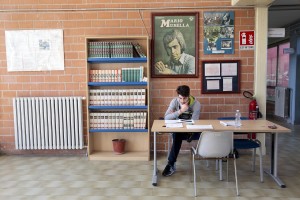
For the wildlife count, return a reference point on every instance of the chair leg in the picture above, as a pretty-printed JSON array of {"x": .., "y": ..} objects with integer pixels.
[
  {"x": 194, "y": 170},
  {"x": 253, "y": 159},
  {"x": 227, "y": 169},
  {"x": 220, "y": 170},
  {"x": 235, "y": 174},
  {"x": 261, "y": 165}
]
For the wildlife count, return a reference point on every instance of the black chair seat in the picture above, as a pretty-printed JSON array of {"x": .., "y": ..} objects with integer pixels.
[{"x": 245, "y": 144}]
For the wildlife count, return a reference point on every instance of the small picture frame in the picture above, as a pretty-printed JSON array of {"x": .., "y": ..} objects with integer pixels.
[
  {"x": 175, "y": 45},
  {"x": 221, "y": 77}
]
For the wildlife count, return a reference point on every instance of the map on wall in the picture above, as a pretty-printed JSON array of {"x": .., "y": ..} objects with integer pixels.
[
  {"x": 34, "y": 50},
  {"x": 219, "y": 32}
]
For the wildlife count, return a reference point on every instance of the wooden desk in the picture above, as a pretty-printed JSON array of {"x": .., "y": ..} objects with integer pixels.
[{"x": 252, "y": 126}]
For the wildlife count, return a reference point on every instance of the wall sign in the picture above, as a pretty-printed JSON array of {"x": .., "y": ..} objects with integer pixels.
[{"x": 247, "y": 40}]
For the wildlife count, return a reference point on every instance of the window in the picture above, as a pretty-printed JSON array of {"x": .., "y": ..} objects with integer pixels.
[{"x": 277, "y": 69}]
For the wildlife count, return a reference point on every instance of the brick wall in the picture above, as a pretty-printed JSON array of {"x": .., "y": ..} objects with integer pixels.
[{"x": 81, "y": 18}]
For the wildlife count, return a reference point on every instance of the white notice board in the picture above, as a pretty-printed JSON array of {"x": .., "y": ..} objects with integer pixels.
[{"x": 34, "y": 50}]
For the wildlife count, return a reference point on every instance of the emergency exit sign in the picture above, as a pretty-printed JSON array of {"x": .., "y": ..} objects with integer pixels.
[{"x": 247, "y": 40}]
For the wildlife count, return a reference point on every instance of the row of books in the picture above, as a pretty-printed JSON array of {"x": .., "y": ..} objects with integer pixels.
[
  {"x": 118, "y": 97},
  {"x": 131, "y": 74},
  {"x": 118, "y": 49},
  {"x": 118, "y": 120}
]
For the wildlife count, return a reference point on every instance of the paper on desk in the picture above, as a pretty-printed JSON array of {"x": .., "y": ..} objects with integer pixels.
[
  {"x": 199, "y": 127},
  {"x": 174, "y": 125},
  {"x": 227, "y": 123},
  {"x": 178, "y": 121}
]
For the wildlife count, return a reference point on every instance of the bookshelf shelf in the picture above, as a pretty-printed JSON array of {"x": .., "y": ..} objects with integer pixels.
[
  {"x": 118, "y": 130},
  {"x": 117, "y": 60},
  {"x": 117, "y": 83},
  {"x": 117, "y": 107},
  {"x": 121, "y": 84}
]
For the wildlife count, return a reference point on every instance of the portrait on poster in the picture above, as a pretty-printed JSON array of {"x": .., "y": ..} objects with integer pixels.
[
  {"x": 174, "y": 45},
  {"x": 218, "y": 32}
]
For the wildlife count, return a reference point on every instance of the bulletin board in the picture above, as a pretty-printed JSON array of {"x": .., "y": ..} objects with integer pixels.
[{"x": 221, "y": 77}]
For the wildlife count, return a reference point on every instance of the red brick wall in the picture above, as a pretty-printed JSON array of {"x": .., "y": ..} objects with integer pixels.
[{"x": 81, "y": 18}]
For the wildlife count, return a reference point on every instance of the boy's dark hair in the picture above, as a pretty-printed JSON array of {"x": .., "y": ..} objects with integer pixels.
[{"x": 183, "y": 90}]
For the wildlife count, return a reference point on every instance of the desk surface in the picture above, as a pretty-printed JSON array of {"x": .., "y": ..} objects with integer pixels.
[{"x": 257, "y": 126}]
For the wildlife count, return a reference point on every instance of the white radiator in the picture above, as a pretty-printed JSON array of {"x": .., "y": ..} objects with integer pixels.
[{"x": 48, "y": 122}]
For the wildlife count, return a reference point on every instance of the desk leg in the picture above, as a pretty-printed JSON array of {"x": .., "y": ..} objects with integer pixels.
[
  {"x": 274, "y": 160},
  {"x": 154, "y": 177}
]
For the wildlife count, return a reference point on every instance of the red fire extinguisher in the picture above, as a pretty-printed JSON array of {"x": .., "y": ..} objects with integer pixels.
[
  {"x": 253, "y": 106},
  {"x": 253, "y": 110}
]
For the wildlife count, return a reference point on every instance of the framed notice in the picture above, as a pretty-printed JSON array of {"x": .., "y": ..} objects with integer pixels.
[
  {"x": 174, "y": 45},
  {"x": 220, "y": 77}
]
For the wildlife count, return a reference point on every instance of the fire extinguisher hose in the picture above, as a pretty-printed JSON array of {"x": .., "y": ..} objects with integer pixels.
[{"x": 248, "y": 95}]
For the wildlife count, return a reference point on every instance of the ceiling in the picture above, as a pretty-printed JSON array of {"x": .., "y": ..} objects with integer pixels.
[{"x": 282, "y": 13}]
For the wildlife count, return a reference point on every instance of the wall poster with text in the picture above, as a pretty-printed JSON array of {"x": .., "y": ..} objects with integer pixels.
[
  {"x": 219, "y": 32},
  {"x": 174, "y": 45}
]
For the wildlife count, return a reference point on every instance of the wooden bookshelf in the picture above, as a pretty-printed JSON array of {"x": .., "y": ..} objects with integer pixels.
[{"x": 100, "y": 139}]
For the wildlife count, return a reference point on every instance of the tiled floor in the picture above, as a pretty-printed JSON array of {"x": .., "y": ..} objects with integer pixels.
[{"x": 77, "y": 178}]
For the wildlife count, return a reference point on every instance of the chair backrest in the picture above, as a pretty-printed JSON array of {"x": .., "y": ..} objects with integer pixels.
[{"x": 215, "y": 144}]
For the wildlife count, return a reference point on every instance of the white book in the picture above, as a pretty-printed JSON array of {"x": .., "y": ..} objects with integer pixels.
[
  {"x": 98, "y": 116},
  {"x": 92, "y": 97},
  {"x": 144, "y": 120},
  {"x": 143, "y": 102},
  {"x": 102, "y": 115},
  {"x": 113, "y": 97},
  {"x": 132, "y": 114},
  {"x": 123, "y": 97},
  {"x": 119, "y": 78},
  {"x": 135, "y": 120},
  {"x": 97, "y": 78},
  {"x": 117, "y": 116},
  {"x": 135, "y": 97},
  {"x": 132, "y": 97},
  {"x": 98, "y": 97},
  {"x": 128, "y": 98},
  {"x": 105, "y": 124},
  {"x": 109, "y": 120},
  {"x": 101, "y": 78},
  {"x": 92, "y": 120},
  {"x": 113, "y": 120},
  {"x": 121, "y": 120},
  {"x": 116, "y": 97}
]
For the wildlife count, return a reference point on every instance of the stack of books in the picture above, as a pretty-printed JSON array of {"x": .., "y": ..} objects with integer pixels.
[
  {"x": 118, "y": 120},
  {"x": 131, "y": 74},
  {"x": 118, "y": 49},
  {"x": 118, "y": 97}
]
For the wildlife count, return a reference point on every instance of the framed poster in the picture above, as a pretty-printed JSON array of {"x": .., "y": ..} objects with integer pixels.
[
  {"x": 174, "y": 45},
  {"x": 218, "y": 32},
  {"x": 221, "y": 76}
]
